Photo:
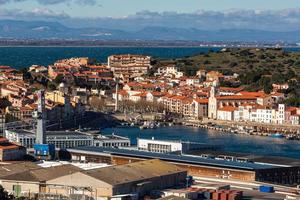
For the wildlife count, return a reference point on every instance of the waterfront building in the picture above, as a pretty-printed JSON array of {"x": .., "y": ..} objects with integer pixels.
[
  {"x": 232, "y": 169},
  {"x": 262, "y": 114},
  {"x": 199, "y": 108},
  {"x": 196, "y": 108},
  {"x": 111, "y": 141},
  {"x": 167, "y": 146},
  {"x": 216, "y": 101},
  {"x": 226, "y": 113},
  {"x": 61, "y": 139},
  {"x": 243, "y": 112}
]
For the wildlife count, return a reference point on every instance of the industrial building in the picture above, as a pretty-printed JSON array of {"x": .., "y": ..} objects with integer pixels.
[
  {"x": 28, "y": 179},
  {"x": 10, "y": 151},
  {"x": 61, "y": 139},
  {"x": 129, "y": 181},
  {"x": 111, "y": 141},
  {"x": 195, "y": 165}
]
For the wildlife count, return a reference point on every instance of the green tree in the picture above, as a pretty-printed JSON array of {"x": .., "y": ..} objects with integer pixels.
[
  {"x": 4, "y": 194},
  {"x": 51, "y": 85},
  {"x": 59, "y": 79}
]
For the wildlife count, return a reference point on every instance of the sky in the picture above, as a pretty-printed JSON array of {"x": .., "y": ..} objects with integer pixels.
[{"x": 280, "y": 15}]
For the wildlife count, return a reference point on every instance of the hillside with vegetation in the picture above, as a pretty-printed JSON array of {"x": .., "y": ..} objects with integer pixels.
[{"x": 258, "y": 69}]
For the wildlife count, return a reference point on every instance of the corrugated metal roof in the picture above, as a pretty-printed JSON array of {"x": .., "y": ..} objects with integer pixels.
[
  {"x": 42, "y": 174},
  {"x": 137, "y": 171},
  {"x": 172, "y": 157}
]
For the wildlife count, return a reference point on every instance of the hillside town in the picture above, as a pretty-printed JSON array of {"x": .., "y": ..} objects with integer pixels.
[
  {"x": 77, "y": 84},
  {"x": 44, "y": 111}
]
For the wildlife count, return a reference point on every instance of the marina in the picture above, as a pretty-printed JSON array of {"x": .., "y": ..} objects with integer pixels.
[{"x": 220, "y": 140}]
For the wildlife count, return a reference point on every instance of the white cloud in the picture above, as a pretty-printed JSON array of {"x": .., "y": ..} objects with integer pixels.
[
  {"x": 51, "y": 2},
  {"x": 278, "y": 20},
  {"x": 37, "y": 13}
]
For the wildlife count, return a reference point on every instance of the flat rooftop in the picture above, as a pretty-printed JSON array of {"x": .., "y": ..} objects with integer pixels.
[
  {"x": 254, "y": 158},
  {"x": 188, "y": 159},
  {"x": 51, "y": 133}
]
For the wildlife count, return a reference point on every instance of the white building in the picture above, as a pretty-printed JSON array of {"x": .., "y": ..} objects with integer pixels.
[
  {"x": 226, "y": 113},
  {"x": 263, "y": 115},
  {"x": 61, "y": 139},
  {"x": 192, "y": 81},
  {"x": 164, "y": 146},
  {"x": 111, "y": 141},
  {"x": 280, "y": 114},
  {"x": 243, "y": 112},
  {"x": 170, "y": 70}
]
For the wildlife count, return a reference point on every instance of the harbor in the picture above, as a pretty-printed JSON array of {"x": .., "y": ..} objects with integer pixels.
[
  {"x": 220, "y": 140},
  {"x": 274, "y": 132}
]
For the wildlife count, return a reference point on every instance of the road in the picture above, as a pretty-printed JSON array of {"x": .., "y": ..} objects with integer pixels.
[{"x": 250, "y": 189}]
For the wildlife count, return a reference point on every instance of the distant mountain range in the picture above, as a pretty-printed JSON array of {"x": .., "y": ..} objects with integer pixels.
[{"x": 11, "y": 29}]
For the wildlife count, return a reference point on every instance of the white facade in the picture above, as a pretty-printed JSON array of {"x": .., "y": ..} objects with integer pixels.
[
  {"x": 280, "y": 114},
  {"x": 242, "y": 114},
  {"x": 295, "y": 119},
  {"x": 263, "y": 116},
  {"x": 111, "y": 141},
  {"x": 61, "y": 139},
  {"x": 158, "y": 146},
  {"x": 192, "y": 81},
  {"x": 225, "y": 115},
  {"x": 169, "y": 71}
]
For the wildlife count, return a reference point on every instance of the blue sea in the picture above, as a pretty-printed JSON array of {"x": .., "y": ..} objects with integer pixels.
[
  {"x": 19, "y": 57},
  {"x": 255, "y": 145}
]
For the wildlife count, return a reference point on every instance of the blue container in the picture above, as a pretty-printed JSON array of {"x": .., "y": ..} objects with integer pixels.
[
  {"x": 266, "y": 188},
  {"x": 46, "y": 151}
]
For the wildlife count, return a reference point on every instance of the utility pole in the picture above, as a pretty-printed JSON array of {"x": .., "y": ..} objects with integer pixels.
[{"x": 117, "y": 95}]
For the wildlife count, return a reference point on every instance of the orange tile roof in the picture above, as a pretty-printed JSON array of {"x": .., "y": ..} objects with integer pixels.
[
  {"x": 236, "y": 97},
  {"x": 123, "y": 92},
  {"x": 231, "y": 89},
  {"x": 228, "y": 109},
  {"x": 203, "y": 101},
  {"x": 253, "y": 94}
]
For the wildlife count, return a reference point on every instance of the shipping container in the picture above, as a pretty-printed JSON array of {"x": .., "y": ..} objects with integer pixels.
[{"x": 266, "y": 188}]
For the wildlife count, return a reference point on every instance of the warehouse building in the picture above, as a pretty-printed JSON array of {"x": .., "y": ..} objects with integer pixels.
[
  {"x": 10, "y": 151},
  {"x": 61, "y": 139},
  {"x": 111, "y": 141},
  {"x": 138, "y": 178},
  {"x": 28, "y": 179},
  {"x": 195, "y": 165},
  {"x": 123, "y": 181}
]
